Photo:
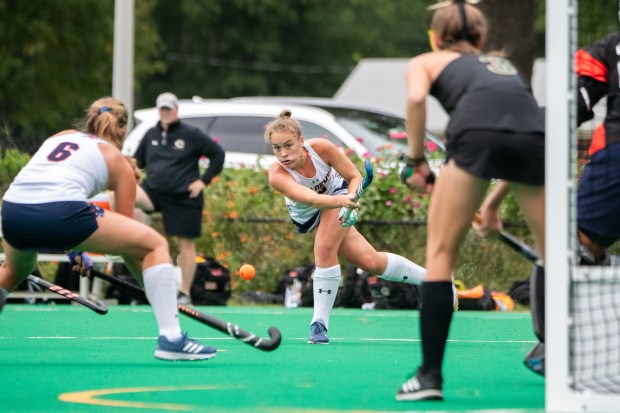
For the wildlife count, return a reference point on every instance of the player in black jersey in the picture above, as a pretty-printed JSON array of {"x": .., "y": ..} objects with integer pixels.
[
  {"x": 496, "y": 131},
  {"x": 598, "y": 196}
]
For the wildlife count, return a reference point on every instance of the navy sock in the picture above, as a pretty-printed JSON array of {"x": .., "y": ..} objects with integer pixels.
[{"x": 435, "y": 317}]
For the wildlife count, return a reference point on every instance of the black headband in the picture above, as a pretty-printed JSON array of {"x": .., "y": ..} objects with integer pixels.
[{"x": 464, "y": 30}]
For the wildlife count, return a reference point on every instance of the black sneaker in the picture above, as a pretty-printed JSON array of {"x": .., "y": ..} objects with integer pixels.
[
  {"x": 535, "y": 359},
  {"x": 421, "y": 387}
]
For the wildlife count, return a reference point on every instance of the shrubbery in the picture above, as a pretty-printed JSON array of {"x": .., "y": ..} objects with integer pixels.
[{"x": 246, "y": 221}]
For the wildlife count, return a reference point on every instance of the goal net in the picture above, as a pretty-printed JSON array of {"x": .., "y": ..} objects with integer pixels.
[{"x": 582, "y": 301}]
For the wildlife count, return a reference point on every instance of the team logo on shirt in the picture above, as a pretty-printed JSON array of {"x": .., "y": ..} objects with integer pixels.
[
  {"x": 179, "y": 144},
  {"x": 498, "y": 65}
]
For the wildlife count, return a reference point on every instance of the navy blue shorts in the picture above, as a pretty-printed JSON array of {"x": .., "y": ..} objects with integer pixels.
[
  {"x": 49, "y": 227},
  {"x": 598, "y": 197}
]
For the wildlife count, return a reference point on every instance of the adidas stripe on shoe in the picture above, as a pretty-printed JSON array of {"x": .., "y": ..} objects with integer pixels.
[
  {"x": 183, "y": 349},
  {"x": 419, "y": 388}
]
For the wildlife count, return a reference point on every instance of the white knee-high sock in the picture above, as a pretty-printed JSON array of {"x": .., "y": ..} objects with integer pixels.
[
  {"x": 160, "y": 287},
  {"x": 402, "y": 270},
  {"x": 325, "y": 282}
]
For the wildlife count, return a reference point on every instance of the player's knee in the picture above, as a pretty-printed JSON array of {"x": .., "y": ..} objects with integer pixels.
[
  {"x": 324, "y": 252},
  {"x": 160, "y": 244}
]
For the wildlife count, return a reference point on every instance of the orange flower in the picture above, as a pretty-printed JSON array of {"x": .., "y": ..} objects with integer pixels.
[
  {"x": 252, "y": 190},
  {"x": 233, "y": 214},
  {"x": 222, "y": 256},
  {"x": 215, "y": 234}
]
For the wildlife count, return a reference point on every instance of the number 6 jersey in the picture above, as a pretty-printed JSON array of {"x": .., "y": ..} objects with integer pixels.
[{"x": 67, "y": 167}]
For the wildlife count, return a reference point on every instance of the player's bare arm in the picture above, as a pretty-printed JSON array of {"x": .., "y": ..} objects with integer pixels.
[
  {"x": 121, "y": 180},
  {"x": 283, "y": 182}
]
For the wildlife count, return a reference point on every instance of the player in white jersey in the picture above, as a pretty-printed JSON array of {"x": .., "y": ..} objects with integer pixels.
[
  {"x": 326, "y": 181},
  {"x": 46, "y": 209},
  {"x": 319, "y": 183}
]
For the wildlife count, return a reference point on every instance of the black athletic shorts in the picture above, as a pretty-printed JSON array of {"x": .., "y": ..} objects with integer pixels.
[
  {"x": 515, "y": 157},
  {"x": 181, "y": 214}
]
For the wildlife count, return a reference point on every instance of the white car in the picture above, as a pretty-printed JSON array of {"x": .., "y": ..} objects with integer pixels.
[{"x": 238, "y": 125}]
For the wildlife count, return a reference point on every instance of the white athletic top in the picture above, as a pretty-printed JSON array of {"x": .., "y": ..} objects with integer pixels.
[
  {"x": 69, "y": 167},
  {"x": 326, "y": 181}
]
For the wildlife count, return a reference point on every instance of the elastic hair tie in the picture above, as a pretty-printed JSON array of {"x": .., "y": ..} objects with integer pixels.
[{"x": 104, "y": 109}]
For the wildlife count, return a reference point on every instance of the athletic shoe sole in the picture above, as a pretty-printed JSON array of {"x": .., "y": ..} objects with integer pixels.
[
  {"x": 317, "y": 342},
  {"x": 175, "y": 356},
  {"x": 429, "y": 394}
]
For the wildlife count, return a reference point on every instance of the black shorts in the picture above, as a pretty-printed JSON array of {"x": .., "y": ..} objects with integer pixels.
[
  {"x": 515, "y": 157},
  {"x": 181, "y": 214},
  {"x": 49, "y": 227}
]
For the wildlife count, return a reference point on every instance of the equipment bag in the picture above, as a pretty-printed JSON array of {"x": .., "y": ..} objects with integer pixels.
[{"x": 211, "y": 284}]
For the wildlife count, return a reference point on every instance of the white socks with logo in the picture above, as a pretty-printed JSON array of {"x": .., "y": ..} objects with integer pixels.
[
  {"x": 325, "y": 282},
  {"x": 402, "y": 270}
]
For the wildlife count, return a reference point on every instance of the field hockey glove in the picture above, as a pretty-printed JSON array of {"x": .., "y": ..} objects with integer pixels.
[
  {"x": 80, "y": 262},
  {"x": 351, "y": 220}
]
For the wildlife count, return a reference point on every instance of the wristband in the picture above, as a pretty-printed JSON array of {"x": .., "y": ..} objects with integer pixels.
[{"x": 415, "y": 162}]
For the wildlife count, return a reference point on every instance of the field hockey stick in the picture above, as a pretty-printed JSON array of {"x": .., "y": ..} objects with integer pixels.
[
  {"x": 362, "y": 188},
  {"x": 97, "y": 306},
  {"x": 232, "y": 330},
  {"x": 517, "y": 245}
]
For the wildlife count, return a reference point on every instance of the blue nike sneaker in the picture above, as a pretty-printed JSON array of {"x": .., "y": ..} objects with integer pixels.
[
  {"x": 183, "y": 349},
  {"x": 318, "y": 333}
]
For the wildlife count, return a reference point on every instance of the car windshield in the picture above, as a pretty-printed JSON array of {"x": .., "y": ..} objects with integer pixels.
[
  {"x": 382, "y": 134},
  {"x": 379, "y": 133}
]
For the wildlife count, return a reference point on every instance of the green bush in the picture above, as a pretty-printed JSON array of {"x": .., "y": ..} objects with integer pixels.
[{"x": 11, "y": 161}]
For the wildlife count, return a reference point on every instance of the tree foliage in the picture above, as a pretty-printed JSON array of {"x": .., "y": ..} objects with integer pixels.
[
  {"x": 226, "y": 48},
  {"x": 56, "y": 58}
]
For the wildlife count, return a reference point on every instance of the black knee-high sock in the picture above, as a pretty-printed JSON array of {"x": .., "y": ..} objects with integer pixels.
[
  {"x": 537, "y": 302},
  {"x": 435, "y": 317}
]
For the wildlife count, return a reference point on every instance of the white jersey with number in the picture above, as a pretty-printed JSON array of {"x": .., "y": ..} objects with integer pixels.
[
  {"x": 68, "y": 167},
  {"x": 326, "y": 181}
]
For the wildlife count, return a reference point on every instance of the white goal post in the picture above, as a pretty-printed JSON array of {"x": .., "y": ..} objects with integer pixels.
[{"x": 567, "y": 388}]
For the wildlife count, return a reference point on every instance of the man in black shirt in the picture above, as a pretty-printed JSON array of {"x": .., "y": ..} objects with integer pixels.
[{"x": 169, "y": 152}]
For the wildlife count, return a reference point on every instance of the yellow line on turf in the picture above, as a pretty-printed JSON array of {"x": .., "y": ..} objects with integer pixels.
[{"x": 91, "y": 397}]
